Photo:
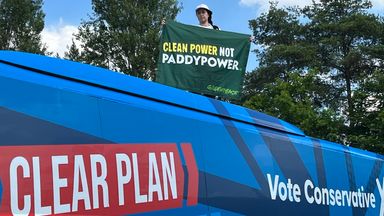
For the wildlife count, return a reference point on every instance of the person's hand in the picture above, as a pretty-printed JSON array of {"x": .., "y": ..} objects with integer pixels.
[{"x": 163, "y": 21}]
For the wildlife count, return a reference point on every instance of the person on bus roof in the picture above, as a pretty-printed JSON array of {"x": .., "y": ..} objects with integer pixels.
[{"x": 204, "y": 15}]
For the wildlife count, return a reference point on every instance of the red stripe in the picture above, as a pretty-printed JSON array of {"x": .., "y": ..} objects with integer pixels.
[
  {"x": 193, "y": 174},
  {"x": 106, "y": 163}
]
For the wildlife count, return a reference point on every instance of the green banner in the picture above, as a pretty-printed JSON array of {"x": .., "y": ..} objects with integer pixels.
[{"x": 203, "y": 60}]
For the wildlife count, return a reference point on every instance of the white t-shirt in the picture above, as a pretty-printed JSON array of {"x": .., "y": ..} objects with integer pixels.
[{"x": 207, "y": 27}]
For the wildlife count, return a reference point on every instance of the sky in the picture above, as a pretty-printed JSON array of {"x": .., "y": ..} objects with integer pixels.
[{"x": 62, "y": 18}]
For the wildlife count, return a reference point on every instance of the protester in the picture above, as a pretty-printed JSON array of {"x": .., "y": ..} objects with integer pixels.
[{"x": 204, "y": 15}]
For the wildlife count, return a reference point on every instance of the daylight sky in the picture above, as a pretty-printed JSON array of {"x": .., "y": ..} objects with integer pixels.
[{"x": 64, "y": 16}]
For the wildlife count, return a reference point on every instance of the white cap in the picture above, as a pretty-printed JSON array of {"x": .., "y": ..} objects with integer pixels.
[{"x": 203, "y": 6}]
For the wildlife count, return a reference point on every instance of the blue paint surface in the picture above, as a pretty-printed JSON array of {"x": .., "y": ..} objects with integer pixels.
[{"x": 234, "y": 148}]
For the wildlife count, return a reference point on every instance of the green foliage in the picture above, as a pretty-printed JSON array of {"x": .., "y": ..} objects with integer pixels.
[
  {"x": 21, "y": 22},
  {"x": 123, "y": 35},
  {"x": 73, "y": 52},
  {"x": 368, "y": 130},
  {"x": 341, "y": 45},
  {"x": 295, "y": 100}
]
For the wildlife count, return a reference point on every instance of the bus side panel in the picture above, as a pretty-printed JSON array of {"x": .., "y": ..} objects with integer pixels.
[
  {"x": 274, "y": 173},
  {"x": 91, "y": 150},
  {"x": 72, "y": 148}
]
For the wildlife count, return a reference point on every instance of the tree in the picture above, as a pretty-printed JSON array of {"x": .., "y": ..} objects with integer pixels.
[
  {"x": 368, "y": 132},
  {"x": 345, "y": 35},
  {"x": 337, "y": 40},
  {"x": 73, "y": 52},
  {"x": 21, "y": 22},
  {"x": 124, "y": 35},
  {"x": 294, "y": 99}
]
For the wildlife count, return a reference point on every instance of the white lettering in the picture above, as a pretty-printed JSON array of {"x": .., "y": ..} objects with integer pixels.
[
  {"x": 227, "y": 52},
  {"x": 59, "y": 183},
  {"x": 165, "y": 58},
  {"x": 99, "y": 180},
  {"x": 188, "y": 59},
  {"x": 171, "y": 59},
  {"x": 230, "y": 64},
  {"x": 309, "y": 198},
  {"x": 169, "y": 174},
  {"x": 179, "y": 59},
  {"x": 39, "y": 209},
  {"x": 154, "y": 186},
  {"x": 196, "y": 58},
  {"x": 282, "y": 191},
  {"x": 122, "y": 179},
  {"x": 235, "y": 65},
  {"x": 139, "y": 198},
  {"x": 296, "y": 192},
  {"x": 273, "y": 189},
  {"x": 380, "y": 187},
  {"x": 222, "y": 62},
  {"x": 79, "y": 175},
  {"x": 212, "y": 62},
  {"x": 317, "y": 195},
  {"x": 13, "y": 183},
  {"x": 203, "y": 60},
  {"x": 332, "y": 197},
  {"x": 338, "y": 197}
]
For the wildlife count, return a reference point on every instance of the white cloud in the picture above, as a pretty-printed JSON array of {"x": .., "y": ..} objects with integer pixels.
[
  {"x": 248, "y": 3},
  {"x": 58, "y": 37}
]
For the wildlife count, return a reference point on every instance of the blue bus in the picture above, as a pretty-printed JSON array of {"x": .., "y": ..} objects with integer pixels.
[{"x": 78, "y": 139}]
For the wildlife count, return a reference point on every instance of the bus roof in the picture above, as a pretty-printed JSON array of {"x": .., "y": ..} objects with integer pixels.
[{"x": 103, "y": 78}]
